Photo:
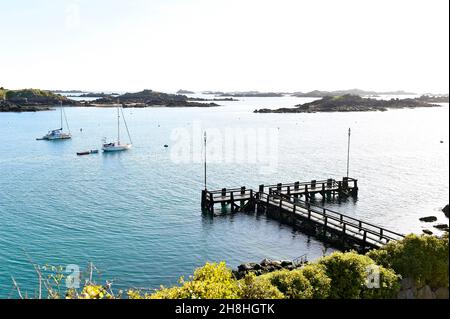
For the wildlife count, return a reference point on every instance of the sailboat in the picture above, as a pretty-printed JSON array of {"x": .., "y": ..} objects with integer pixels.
[
  {"x": 118, "y": 146},
  {"x": 59, "y": 134}
]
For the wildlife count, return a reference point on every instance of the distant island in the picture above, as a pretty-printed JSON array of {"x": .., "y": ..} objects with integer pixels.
[
  {"x": 358, "y": 92},
  {"x": 185, "y": 92},
  {"x": 31, "y": 100},
  {"x": 149, "y": 98},
  {"x": 350, "y": 103},
  {"x": 431, "y": 98},
  {"x": 244, "y": 94},
  {"x": 34, "y": 100}
]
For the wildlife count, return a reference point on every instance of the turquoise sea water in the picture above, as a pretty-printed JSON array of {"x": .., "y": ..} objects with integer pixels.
[{"x": 137, "y": 216}]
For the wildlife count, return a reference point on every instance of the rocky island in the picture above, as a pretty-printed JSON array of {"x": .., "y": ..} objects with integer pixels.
[
  {"x": 243, "y": 94},
  {"x": 430, "y": 98},
  {"x": 149, "y": 98},
  {"x": 350, "y": 103},
  {"x": 185, "y": 92},
  {"x": 31, "y": 100},
  {"x": 320, "y": 94}
]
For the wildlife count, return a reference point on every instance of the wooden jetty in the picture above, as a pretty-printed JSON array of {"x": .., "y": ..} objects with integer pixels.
[{"x": 291, "y": 204}]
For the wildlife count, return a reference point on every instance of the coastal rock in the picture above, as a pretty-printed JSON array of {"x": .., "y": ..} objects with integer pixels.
[
  {"x": 246, "y": 267},
  {"x": 430, "y": 219},
  {"x": 408, "y": 283},
  {"x": 427, "y": 232},
  {"x": 286, "y": 263},
  {"x": 265, "y": 262},
  {"x": 406, "y": 294},
  {"x": 442, "y": 227},
  {"x": 425, "y": 293},
  {"x": 149, "y": 98},
  {"x": 350, "y": 103},
  {"x": 441, "y": 293},
  {"x": 445, "y": 210}
]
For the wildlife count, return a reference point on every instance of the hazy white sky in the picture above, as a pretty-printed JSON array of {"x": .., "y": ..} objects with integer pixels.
[{"x": 277, "y": 45}]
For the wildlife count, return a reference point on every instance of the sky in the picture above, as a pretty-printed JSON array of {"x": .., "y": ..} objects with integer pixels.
[{"x": 226, "y": 45}]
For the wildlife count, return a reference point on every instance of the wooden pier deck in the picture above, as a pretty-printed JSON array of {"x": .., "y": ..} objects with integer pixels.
[{"x": 283, "y": 202}]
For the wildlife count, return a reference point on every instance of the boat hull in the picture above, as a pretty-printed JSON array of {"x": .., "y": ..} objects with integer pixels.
[{"x": 117, "y": 148}]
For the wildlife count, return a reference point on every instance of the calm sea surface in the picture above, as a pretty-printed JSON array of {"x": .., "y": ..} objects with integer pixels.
[{"x": 137, "y": 216}]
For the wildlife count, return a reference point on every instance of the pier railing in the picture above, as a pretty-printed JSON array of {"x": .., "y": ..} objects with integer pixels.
[{"x": 347, "y": 225}]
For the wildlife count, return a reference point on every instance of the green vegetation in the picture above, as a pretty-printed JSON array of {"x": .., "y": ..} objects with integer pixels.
[
  {"x": 33, "y": 96},
  {"x": 423, "y": 258},
  {"x": 338, "y": 276}
]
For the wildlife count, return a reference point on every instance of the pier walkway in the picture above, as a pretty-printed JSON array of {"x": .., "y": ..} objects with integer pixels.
[{"x": 291, "y": 204}]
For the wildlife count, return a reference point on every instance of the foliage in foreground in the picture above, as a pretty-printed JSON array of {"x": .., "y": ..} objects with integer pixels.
[
  {"x": 423, "y": 258},
  {"x": 340, "y": 275}
]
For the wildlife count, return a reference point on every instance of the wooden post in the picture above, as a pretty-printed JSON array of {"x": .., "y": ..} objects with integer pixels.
[
  {"x": 345, "y": 183},
  {"x": 242, "y": 202},
  {"x": 289, "y": 190},
  {"x": 306, "y": 193},
  {"x": 340, "y": 188},
  {"x": 323, "y": 193},
  {"x": 309, "y": 211},
  {"x": 355, "y": 188},
  {"x": 261, "y": 189},
  {"x": 232, "y": 202},
  {"x": 330, "y": 183},
  {"x": 211, "y": 202},
  {"x": 203, "y": 199},
  {"x": 224, "y": 194},
  {"x": 313, "y": 184}
]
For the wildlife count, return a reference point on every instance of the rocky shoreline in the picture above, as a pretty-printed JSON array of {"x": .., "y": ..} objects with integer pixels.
[
  {"x": 267, "y": 266},
  {"x": 350, "y": 103}
]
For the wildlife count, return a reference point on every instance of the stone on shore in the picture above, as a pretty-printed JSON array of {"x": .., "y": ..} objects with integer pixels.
[
  {"x": 445, "y": 210},
  {"x": 430, "y": 219},
  {"x": 441, "y": 293},
  {"x": 425, "y": 293}
]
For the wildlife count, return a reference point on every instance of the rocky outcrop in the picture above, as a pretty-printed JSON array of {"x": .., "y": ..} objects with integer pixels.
[
  {"x": 445, "y": 210},
  {"x": 350, "y": 103},
  {"x": 442, "y": 227},
  {"x": 320, "y": 94},
  {"x": 185, "y": 92},
  {"x": 31, "y": 100},
  {"x": 434, "y": 98},
  {"x": 266, "y": 266},
  {"x": 6, "y": 106},
  {"x": 410, "y": 290},
  {"x": 148, "y": 98},
  {"x": 430, "y": 219}
]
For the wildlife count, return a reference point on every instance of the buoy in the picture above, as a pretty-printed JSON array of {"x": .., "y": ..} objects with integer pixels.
[{"x": 166, "y": 146}]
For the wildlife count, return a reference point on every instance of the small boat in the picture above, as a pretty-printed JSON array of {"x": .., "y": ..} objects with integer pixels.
[
  {"x": 87, "y": 153},
  {"x": 83, "y": 153},
  {"x": 58, "y": 134},
  {"x": 118, "y": 146}
]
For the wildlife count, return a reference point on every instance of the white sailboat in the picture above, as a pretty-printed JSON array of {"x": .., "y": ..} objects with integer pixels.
[
  {"x": 118, "y": 146},
  {"x": 59, "y": 134}
]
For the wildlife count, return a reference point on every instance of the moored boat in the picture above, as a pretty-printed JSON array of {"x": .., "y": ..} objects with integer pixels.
[{"x": 117, "y": 146}]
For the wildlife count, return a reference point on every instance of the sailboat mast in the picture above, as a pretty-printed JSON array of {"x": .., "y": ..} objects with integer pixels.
[
  {"x": 118, "y": 125},
  {"x": 61, "y": 110}
]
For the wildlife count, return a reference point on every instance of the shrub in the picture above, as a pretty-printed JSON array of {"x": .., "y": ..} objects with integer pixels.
[
  {"x": 293, "y": 284},
  {"x": 423, "y": 258},
  {"x": 253, "y": 287},
  {"x": 213, "y": 281},
  {"x": 320, "y": 282},
  {"x": 349, "y": 273}
]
